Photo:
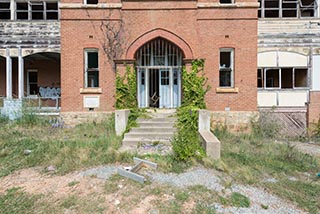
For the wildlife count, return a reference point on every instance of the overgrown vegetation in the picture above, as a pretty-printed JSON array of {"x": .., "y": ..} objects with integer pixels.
[
  {"x": 186, "y": 144},
  {"x": 315, "y": 131},
  {"x": 67, "y": 149},
  {"x": 126, "y": 96}
]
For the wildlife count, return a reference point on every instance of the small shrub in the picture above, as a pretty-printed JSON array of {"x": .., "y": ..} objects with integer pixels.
[
  {"x": 315, "y": 130},
  {"x": 266, "y": 126}
]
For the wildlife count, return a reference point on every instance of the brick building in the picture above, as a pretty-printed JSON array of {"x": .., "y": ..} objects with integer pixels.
[{"x": 258, "y": 55}]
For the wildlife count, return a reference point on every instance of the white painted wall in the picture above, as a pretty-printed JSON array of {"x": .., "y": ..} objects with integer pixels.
[
  {"x": 282, "y": 98},
  {"x": 315, "y": 72},
  {"x": 281, "y": 59}
]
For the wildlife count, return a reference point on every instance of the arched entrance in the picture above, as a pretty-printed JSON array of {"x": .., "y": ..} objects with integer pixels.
[{"x": 159, "y": 64}]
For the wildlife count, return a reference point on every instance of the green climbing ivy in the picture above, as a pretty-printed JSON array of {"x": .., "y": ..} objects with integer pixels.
[
  {"x": 126, "y": 90},
  {"x": 186, "y": 143}
]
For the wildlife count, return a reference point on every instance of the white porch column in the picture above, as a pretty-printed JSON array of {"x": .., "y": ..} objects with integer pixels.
[
  {"x": 8, "y": 74},
  {"x": 20, "y": 74}
]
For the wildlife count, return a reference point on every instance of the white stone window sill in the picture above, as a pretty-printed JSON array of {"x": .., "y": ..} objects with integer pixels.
[{"x": 90, "y": 90}]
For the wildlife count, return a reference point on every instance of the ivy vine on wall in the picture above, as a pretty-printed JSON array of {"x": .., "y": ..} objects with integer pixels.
[{"x": 186, "y": 143}]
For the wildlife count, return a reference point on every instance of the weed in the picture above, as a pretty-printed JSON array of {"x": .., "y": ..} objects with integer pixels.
[
  {"x": 265, "y": 207},
  {"x": 17, "y": 201},
  {"x": 182, "y": 196},
  {"x": 239, "y": 200},
  {"x": 66, "y": 149},
  {"x": 69, "y": 202},
  {"x": 203, "y": 208},
  {"x": 73, "y": 183}
]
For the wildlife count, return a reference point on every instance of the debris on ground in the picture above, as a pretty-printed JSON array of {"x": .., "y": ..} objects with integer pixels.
[{"x": 132, "y": 173}]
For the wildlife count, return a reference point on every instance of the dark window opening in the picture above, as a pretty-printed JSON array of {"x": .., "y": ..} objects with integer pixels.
[
  {"x": 260, "y": 78},
  {"x": 164, "y": 77},
  {"x": 272, "y": 78},
  {"x": 286, "y": 78},
  {"x": 5, "y": 10},
  {"x": 226, "y": 68},
  {"x": 300, "y": 78},
  {"x": 33, "y": 83},
  {"x": 225, "y": 1},
  {"x": 37, "y": 11},
  {"x": 92, "y": 69},
  {"x": 52, "y": 11},
  {"x": 92, "y": 1},
  {"x": 22, "y": 10}
]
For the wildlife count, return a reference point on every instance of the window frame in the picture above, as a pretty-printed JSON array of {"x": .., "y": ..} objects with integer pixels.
[
  {"x": 231, "y": 67},
  {"x": 6, "y": 10},
  {"x": 264, "y": 77},
  {"x": 86, "y": 2},
  {"x": 86, "y": 69},
  {"x": 30, "y": 12}
]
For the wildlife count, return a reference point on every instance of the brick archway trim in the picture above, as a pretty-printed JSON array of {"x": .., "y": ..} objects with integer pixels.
[{"x": 148, "y": 36}]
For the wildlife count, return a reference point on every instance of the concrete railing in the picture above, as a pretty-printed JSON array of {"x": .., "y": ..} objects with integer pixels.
[
  {"x": 210, "y": 142},
  {"x": 121, "y": 120}
]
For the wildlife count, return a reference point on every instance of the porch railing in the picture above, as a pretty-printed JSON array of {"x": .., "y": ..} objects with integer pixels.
[{"x": 42, "y": 103}]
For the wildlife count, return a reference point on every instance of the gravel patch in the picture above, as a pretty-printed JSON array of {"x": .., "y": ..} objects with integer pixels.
[
  {"x": 103, "y": 172},
  {"x": 260, "y": 200},
  {"x": 197, "y": 176}
]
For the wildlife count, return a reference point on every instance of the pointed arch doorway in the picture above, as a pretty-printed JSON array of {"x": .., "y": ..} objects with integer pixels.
[{"x": 159, "y": 64}]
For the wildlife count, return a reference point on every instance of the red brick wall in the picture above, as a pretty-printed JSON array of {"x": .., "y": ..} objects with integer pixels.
[
  {"x": 314, "y": 107},
  {"x": 203, "y": 30}
]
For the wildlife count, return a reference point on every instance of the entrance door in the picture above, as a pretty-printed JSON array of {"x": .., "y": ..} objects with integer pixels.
[
  {"x": 154, "y": 95},
  {"x": 165, "y": 89}
]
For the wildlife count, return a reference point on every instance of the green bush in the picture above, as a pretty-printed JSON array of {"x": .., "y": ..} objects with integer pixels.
[
  {"x": 239, "y": 200},
  {"x": 186, "y": 144}
]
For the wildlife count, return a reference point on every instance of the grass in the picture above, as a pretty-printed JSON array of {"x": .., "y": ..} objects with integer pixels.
[
  {"x": 250, "y": 158},
  {"x": 68, "y": 149}
]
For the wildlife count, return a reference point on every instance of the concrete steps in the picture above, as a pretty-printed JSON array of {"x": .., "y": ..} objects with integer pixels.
[{"x": 157, "y": 127}]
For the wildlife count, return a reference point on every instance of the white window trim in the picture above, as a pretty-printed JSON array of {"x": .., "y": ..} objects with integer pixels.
[
  {"x": 231, "y": 50},
  {"x": 28, "y": 81},
  {"x": 86, "y": 51}
]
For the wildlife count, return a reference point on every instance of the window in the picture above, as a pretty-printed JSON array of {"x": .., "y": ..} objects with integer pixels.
[
  {"x": 22, "y": 11},
  {"x": 91, "y": 68},
  {"x": 226, "y": 1},
  {"x": 32, "y": 82},
  {"x": 37, "y": 10},
  {"x": 287, "y": 8},
  {"x": 226, "y": 67},
  {"x": 91, "y": 1},
  {"x": 5, "y": 10},
  {"x": 282, "y": 78}
]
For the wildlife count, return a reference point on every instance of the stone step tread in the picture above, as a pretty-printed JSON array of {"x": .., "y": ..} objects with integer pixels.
[
  {"x": 133, "y": 141},
  {"x": 170, "y": 119},
  {"x": 149, "y": 135},
  {"x": 153, "y": 129}
]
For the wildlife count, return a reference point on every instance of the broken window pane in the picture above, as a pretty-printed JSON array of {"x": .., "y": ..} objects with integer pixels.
[
  {"x": 272, "y": 78},
  {"x": 92, "y": 1},
  {"x": 286, "y": 78},
  {"x": 301, "y": 77},
  {"x": 5, "y": 10},
  {"x": 308, "y": 8},
  {"x": 33, "y": 83},
  {"x": 22, "y": 10}
]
